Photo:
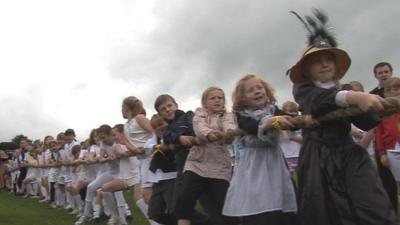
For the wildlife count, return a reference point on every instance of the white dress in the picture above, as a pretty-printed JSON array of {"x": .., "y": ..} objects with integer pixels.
[
  {"x": 129, "y": 169},
  {"x": 261, "y": 181},
  {"x": 138, "y": 137}
]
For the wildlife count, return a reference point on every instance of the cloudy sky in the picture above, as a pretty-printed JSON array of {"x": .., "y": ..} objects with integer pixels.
[{"x": 70, "y": 63}]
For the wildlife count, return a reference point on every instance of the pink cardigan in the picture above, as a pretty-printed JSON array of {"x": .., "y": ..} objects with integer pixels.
[{"x": 211, "y": 160}]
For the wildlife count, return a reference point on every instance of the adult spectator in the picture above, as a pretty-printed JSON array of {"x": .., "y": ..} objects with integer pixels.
[{"x": 382, "y": 72}]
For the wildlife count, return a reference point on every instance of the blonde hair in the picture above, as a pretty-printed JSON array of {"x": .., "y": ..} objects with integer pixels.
[
  {"x": 60, "y": 136},
  {"x": 290, "y": 106},
  {"x": 389, "y": 84},
  {"x": 134, "y": 105},
  {"x": 357, "y": 84},
  {"x": 206, "y": 92},
  {"x": 238, "y": 98}
]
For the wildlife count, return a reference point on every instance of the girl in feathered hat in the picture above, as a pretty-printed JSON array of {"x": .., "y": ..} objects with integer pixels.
[{"x": 338, "y": 184}]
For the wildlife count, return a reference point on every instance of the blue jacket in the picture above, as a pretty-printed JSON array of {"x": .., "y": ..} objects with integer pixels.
[{"x": 182, "y": 124}]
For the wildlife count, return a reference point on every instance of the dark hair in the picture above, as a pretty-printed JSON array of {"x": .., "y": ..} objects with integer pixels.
[
  {"x": 119, "y": 128},
  {"x": 75, "y": 149},
  {"x": 69, "y": 131},
  {"x": 91, "y": 137},
  {"x": 162, "y": 99},
  {"x": 382, "y": 64},
  {"x": 104, "y": 129}
]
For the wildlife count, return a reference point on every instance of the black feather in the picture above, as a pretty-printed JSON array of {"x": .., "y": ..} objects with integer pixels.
[
  {"x": 320, "y": 15},
  {"x": 319, "y": 33},
  {"x": 301, "y": 19},
  {"x": 311, "y": 22}
]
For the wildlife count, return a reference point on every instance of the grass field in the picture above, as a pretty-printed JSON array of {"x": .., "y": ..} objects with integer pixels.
[{"x": 20, "y": 211}]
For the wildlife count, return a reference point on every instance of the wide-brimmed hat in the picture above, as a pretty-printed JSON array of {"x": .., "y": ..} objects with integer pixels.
[
  {"x": 320, "y": 39},
  {"x": 342, "y": 61}
]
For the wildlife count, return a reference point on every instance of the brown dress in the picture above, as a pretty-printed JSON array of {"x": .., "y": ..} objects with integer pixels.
[{"x": 338, "y": 184}]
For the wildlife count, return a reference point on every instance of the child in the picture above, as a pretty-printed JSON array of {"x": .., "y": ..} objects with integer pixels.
[
  {"x": 365, "y": 139},
  {"x": 208, "y": 167},
  {"x": 66, "y": 172},
  {"x": 162, "y": 164},
  {"x": 137, "y": 131},
  {"x": 291, "y": 139},
  {"x": 179, "y": 132},
  {"x": 110, "y": 170},
  {"x": 387, "y": 137},
  {"x": 52, "y": 159},
  {"x": 76, "y": 167},
  {"x": 261, "y": 190},
  {"x": 128, "y": 177},
  {"x": 86, "y": 174},
  {"x": 338, "y": 183},
  {"x": 44, "y": 184},
  {"x": 31, "y": 182}
]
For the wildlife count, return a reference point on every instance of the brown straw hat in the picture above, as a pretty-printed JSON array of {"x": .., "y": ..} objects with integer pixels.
[
  {"x": 319, "y": 39},
  {"x": 342, "y": 61}
]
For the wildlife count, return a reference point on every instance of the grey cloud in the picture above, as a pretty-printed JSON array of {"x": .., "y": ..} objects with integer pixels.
[
  {"x": 25, "y": 116},
  {"x": 201, "y": 43}
]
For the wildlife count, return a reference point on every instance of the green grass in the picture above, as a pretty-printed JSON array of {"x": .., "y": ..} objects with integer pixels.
[{"x": 20, "y": 211}]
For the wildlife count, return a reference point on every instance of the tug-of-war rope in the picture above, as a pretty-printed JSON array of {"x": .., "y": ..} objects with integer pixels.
[{"x": 391, "y": 105}]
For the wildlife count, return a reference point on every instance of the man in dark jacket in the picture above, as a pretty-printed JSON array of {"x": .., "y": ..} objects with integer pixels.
[{"x": 382, "y": 72}]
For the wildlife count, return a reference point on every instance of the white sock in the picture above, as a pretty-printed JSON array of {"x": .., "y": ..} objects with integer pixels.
[
  {"x": 28, "y": 188},
  {"x": 144, "y": 208},
  {"x": 121, "y": 213},
  {"x": 62, "y": 198},
  {"x": 111, "y": 204},
  {"x": 78, "y": 202},
  {"x": 88, "y": 209},
  {"x": 56, "y": 194},
  {"x": 44, "y": 192},
  {"x": 35, "y": 188},
  {"x": 96, "y": 210},
  {"x": 106, "y": 208},
  {"x": 23, "y": 188},
  {"x": 70, "y": 199},
  {"x": 127, "y": 210}
]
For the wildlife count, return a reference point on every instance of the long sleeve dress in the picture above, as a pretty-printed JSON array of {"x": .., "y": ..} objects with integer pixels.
[{"x": 338, "y": 184}]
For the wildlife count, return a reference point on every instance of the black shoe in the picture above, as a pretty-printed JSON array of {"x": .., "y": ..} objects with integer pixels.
[
  {"x": 129, "y": 218},
  {"x": 104, "y": 217}
]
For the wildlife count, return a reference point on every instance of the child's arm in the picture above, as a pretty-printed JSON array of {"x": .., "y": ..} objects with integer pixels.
[
  {"x": 92, "y": 155},
  {"x": 366, "y": 102},
  {"x": 202, "y": 129},
  {"x": 277, "y": 122},
  {"x": 120, "y": 151},
  {"x": 144, "y": 123},
  {"x": 102, "y": 156},
  {"x": 357, "y": 133},
  {"x": 181, "y": 131},
  {"x": 131, "y": 147},
  {"x": 367, "y": 139},
  {"x": 229, "y": 124}
]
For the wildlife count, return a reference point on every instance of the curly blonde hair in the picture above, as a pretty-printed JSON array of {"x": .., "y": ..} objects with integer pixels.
[{"x": 238, "y": 98}]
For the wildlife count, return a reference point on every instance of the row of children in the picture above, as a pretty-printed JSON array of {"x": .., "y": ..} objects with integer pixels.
[{"x": 337, "y": 181}]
